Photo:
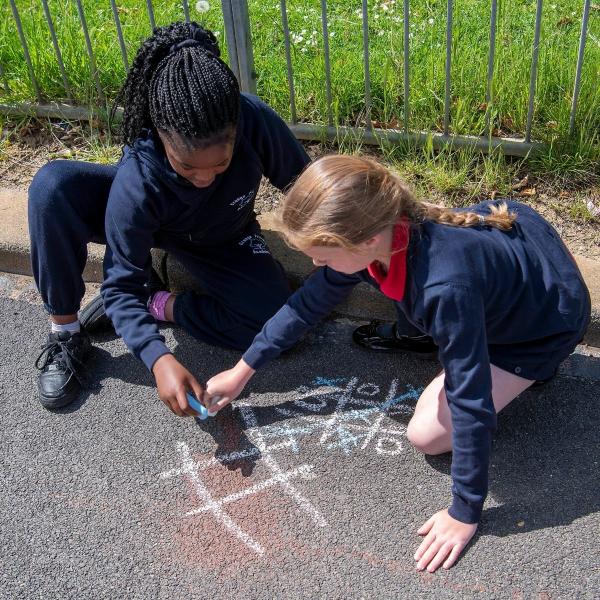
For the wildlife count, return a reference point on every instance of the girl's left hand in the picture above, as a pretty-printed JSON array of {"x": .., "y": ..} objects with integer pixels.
[{"x": 445, "y": 539}]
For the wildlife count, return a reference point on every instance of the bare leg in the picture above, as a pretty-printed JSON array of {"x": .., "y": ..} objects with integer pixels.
[
  {"x": 430, "y": 429},
  {"x": 63, "y": 319}
]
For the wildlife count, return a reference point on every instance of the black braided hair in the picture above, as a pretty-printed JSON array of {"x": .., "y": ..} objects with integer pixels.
[{"x": 178, "y": 84}]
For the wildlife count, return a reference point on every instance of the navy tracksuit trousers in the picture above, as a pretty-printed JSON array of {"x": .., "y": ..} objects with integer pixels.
[{"x": 244, "y": 284}]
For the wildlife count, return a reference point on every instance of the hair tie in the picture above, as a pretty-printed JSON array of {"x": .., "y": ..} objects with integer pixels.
[{"x": 189, "y": 43}]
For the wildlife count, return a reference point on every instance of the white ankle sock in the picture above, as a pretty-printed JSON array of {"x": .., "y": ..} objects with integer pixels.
[{"x": 73, "y": 327}]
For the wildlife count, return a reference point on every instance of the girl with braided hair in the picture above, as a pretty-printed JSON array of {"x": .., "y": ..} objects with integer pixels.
[
  {"x": 195, "y": 152},
  {"x": 493, "y": 285}
]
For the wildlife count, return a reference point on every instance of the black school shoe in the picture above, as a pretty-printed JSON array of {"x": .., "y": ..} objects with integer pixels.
[
  {"x": 61, "y": 363},
  {"x": 373, "y": 337},
  {"x": 93, "y": 317}
]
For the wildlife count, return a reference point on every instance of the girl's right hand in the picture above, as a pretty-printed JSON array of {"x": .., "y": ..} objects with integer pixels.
[
  {"x": 227, "y": 385},
  {"x": 173, "y": 380}
]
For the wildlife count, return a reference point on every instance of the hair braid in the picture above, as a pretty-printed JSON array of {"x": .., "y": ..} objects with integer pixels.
[
  {"x": 178, "y": 84},
  {"x": 500, "y": 217}
]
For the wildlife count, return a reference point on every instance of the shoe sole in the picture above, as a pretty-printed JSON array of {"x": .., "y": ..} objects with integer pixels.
[
  {"x": 93, "y": 317},
  {"x": 419, "y": 355}
]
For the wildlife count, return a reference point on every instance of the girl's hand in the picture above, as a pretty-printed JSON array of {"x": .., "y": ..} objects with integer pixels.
[
  {"x": 173, "y": 380},
  {"x": 228, "y": 385},
  {"x": 445, "y": 539}
]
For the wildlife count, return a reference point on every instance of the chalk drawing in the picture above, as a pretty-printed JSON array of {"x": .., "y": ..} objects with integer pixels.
[
  {"x": 355, "y": 423},
  {"x": 357, "y": 419}
]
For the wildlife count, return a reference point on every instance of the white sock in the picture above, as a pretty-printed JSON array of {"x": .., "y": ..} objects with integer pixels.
[{"x": 73, "y": 327}]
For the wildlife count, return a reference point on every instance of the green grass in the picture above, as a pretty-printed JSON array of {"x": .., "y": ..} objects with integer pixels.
[{"x": 557, "y": 60}]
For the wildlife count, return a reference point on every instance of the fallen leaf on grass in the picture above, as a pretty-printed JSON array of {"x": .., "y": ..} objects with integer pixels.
[
  {"x": 527, "y": 192},
  {"x": 520, "y": 184},
  {"x": 392, "y": 124},
  {"x": 565, "y": 21},
  {"x": 507, "y": 123}
]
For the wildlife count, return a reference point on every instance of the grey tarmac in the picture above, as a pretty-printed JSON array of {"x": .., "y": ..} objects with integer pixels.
[{"x": 306, "y": 488}]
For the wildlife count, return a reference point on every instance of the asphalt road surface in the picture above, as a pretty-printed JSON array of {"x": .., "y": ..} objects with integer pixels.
[{"x": 307, "y": 488}]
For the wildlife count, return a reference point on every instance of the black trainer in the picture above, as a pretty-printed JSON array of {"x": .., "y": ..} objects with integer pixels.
[
  {"x": 93, "y": 317},
  {"x": 61, "y": 363},
  {"x": 383, "y": 338}
]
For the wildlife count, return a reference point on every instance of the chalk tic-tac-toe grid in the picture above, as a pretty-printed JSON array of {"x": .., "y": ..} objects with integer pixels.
[{"x": 356, "y": 423}]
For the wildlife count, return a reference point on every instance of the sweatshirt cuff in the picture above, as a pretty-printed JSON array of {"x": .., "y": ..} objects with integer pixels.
[
  {"x": 254, "y": 358},
  {"x": 152, "y": 352},
  {"x": 464, "y": 512}
]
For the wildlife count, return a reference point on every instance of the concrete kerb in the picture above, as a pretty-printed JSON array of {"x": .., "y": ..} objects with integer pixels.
[{"x": 364, "y": 303}]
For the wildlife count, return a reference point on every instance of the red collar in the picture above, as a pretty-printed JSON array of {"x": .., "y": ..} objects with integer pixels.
[{"x": 393, "y": 282}]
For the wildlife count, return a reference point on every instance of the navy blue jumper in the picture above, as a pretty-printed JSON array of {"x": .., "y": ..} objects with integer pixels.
[
  {"x": 513, "y": 299},
  {"x": 141, "y": 204}
]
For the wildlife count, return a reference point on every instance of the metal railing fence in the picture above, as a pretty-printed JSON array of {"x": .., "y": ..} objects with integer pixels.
[{"x": 240, "y": 50}]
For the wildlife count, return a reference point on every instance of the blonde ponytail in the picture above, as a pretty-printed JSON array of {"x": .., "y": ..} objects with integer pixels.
[{"x": 500, "y": 217}]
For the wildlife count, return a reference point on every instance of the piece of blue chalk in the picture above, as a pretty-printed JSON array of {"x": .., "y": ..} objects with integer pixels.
[
  {"x": 199, "y": 408},
  {"x": 203, "y": 413}
]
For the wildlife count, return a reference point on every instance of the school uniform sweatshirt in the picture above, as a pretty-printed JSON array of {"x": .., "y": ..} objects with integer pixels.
[
  {"x": 151, "y": 206},
  {"x": 514, "y": 299}
]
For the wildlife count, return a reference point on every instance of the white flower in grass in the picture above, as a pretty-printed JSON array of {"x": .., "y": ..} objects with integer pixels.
[
  {"x": 332, "y": 34},
  {"x": 202, "y": 6},
  {"x": 431, "y": 21}
]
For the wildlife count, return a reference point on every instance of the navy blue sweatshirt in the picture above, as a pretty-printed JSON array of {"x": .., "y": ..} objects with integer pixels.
[
  {"x": 151, "y": 206},
  {"x": 513, "y": 299}
]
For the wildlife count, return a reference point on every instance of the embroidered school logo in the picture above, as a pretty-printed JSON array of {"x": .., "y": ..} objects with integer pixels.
[
  {"x": 242, "y": 201},
  {"x": 257, "y": 244}
]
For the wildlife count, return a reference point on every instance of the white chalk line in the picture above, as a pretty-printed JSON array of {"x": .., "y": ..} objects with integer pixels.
[
  {"x": 377, "y": 423},
  {"x": 211, "y": 505},
  {"x": 251, "y": 424},
  {"x": 304, "y": 471},
  {"x": 225, "y": 458}
]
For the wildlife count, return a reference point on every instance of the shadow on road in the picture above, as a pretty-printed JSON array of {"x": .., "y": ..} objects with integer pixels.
[{"x": 546, "y": 457}]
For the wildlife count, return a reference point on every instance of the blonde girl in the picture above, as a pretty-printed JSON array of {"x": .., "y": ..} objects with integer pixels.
[{"x": 493, "y": 285}]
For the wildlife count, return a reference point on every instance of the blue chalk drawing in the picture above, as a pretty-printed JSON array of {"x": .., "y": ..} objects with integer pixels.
[
  {"x": 357, "y": 422},
  {"x": 330, "y": 382}
]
